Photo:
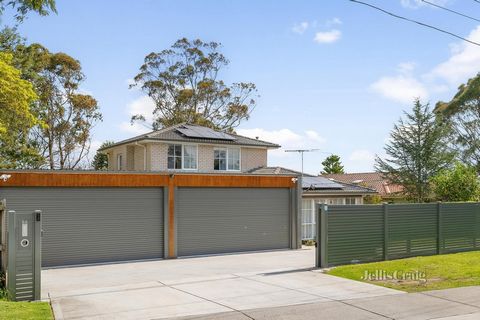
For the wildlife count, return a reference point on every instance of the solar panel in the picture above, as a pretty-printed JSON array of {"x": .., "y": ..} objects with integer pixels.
[
  {"x": 320, "y": 183},
  {"x": 203, "y": 132}
]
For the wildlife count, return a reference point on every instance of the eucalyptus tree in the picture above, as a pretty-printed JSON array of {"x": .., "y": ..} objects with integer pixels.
[{"x": 184, "y": 81}]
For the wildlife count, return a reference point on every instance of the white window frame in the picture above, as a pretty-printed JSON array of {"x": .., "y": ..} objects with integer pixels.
[
  {"x": 354, "y": 200},
  {"x": 120, "y": 162},
  {"x": 226, "y": 149},
  {"x": 183, "y": 156},
  {"x": 307, "y": 225},
  {"x": 196, "y": 157},
  {"x": 311, "y": 211}
]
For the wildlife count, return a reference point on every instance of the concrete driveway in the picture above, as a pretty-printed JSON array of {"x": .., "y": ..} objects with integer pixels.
[{"x": 196, "y": 286}]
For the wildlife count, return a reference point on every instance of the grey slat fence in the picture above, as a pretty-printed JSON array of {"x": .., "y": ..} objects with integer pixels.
[{"x": 366, "y": 233}]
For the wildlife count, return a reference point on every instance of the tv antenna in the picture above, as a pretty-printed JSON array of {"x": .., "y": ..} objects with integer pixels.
[{"x": 302, "y": 151}]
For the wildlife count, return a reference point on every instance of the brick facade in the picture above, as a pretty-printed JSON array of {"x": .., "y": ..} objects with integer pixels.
[
  {"x": 138, "y": 162},
  {"x": 112, "y": 158},
  {"x": 158, "y": 156},
  {"x": 205, "y": 158},
  {"x": 251, "y": 158}
]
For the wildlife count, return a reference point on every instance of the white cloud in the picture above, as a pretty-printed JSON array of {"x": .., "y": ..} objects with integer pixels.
[
  {"x": 333, "y": 21},
  {"x": 144, "y": 106},
  {"x": 403, "y": 88},
  {"x": 314, "y": 136},
  {"x": 327, "y": 36},
  {"x": 129, "y": 81},
  {"x": 406, "y": 67},
  {"x": 134, "y": 129},
  {"x": 301, "y": 27},
  {"x": 286, "y": 138},
  {"x": 463, "y": 63},
  {"x": 95, "y": 145}
]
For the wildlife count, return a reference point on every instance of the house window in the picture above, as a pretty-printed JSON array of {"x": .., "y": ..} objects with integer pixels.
[
  {"x": 335, "y": 201},
  {"x": 308, "y": 219},
  {"x": 182, "y": 157},
  {"x": 189, "y": 157},
  {"x": 220, "y": 159},
  {"x": 350, "y": 200},
  {"x": 119, "y": 162},
  {"x": 175, "y": 156},
  {"x": 233, "y": 162},
  {"x": 226, "y": 159}
]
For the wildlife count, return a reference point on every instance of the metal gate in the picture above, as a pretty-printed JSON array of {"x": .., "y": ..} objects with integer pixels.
[
  {"x": 223, "y": 220},
  {"x": 92, "y": 225},
  {"x": 24, "y": 255}
]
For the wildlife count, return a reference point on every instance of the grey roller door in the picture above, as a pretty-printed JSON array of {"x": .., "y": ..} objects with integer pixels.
[
  {"x": 222, "y": 220},
  {"x": 91, "y": 225}
]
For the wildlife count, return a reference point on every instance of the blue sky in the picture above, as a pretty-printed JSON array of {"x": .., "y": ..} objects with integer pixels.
[{"x": 331, "y": 74}]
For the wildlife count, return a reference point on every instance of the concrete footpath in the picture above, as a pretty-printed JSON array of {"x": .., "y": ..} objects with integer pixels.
[{"x": 451, "y": 304}]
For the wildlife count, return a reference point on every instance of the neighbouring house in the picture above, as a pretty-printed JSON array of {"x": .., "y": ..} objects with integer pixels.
[
  {"x": 320, "y": 190},
  {"x": 372, "y": 180},
  {"x": 190, "y": 148}
]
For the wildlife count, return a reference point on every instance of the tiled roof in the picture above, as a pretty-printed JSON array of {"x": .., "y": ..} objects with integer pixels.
[
  {"x": 278, "y": 170},
  {"x": 373, "y": 180},
  {"x": 171, "y": 134},
  {"x": 313, "y": 183}
]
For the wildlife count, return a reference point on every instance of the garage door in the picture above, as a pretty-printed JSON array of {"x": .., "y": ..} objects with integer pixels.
[
  {"x": 221, "y": 220},
  {"x": 91, "y": 225}
]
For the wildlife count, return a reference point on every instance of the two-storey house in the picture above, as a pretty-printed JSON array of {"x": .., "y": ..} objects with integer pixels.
[{"x": 187, "y": 147}]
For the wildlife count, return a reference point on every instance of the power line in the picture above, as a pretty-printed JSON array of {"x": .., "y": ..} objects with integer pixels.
[
  {"x": 452, "y": 11},
  {"x": 415, "y": 21}
]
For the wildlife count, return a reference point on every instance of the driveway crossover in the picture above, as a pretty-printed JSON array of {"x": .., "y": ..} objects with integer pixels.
[{"x": 224, "y": 285}]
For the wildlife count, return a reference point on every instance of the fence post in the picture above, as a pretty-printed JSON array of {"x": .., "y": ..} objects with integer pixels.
[
  {"x": 385, "y": 231},
  {"x": 321, "y": 256},
  {"x": 439, "y": 228},
  {"x": 475, "y": 214}
]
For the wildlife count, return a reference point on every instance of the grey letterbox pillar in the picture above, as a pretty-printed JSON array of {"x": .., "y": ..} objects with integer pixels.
[{"x": 24, "y": 255}]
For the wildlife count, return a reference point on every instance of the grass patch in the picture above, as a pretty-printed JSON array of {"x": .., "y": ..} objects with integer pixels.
[
  {"x": 25, "y": 310},
  {"x": 419, "y": 273},
  {"x": 10, "y": 310}
]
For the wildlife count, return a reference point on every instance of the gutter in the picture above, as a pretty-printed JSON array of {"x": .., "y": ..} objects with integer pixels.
[
  {"x": 146, "y": 139},
  {"x": 336, "y": 192}
]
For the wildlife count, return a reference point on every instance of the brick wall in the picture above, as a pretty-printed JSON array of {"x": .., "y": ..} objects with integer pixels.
[
  {"x": 205, "y": 158},
  {"x": 253, "y": 158},
  {"x": 130, "y": 158},
  {"x": 138, "y": 158},
  {"x": 158, "y": 156},
  {"x": 115, "y": 152},
  {"x": 111, "y": 161}
]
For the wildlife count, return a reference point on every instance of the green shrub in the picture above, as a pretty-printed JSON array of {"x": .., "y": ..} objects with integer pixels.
[
  {"x": 457, "y": 184},
  {"x": 308, "y": 242},
  {"x": 3, "y": 290}
]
